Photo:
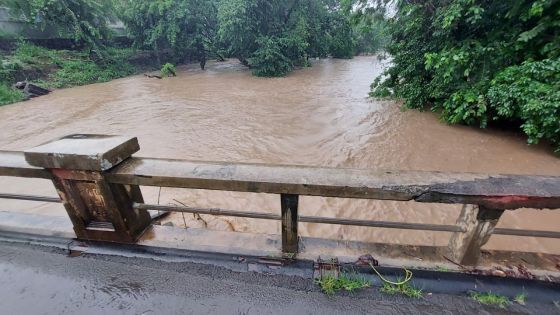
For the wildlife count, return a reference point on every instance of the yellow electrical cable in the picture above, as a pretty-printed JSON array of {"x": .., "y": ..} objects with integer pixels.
[{"x": 408, "y": 276}]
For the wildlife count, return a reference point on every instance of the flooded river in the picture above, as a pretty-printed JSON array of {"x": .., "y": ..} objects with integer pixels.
[{"x": 315, "y": 116}]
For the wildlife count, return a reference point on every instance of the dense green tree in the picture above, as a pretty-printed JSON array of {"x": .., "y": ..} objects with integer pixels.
[
  {"x": 478, "y": 61},
  {"x": 275, "y": 36},
  {"x": 341, "y": 44},
  {"x": 189, "y": 27},
  {"x": 368, "y": 23},
  {"x": 270, "y": 36},
  {"x": 83, "y": 20}
]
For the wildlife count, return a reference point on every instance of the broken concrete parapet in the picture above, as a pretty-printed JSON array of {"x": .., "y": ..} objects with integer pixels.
[{"x": 83, "y": 152}]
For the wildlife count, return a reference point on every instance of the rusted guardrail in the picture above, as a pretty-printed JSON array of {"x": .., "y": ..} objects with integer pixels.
[{"x": 98, "y": 182}]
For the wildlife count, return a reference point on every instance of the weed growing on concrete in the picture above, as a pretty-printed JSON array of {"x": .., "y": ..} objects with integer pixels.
[
  {"x": 442, "y": 269},
  {"x": 520, "y": 298},
  {"x": 404, "y": 289},
  {"x": 490, "y": 298},
  {"x": 331, "y": 284}
]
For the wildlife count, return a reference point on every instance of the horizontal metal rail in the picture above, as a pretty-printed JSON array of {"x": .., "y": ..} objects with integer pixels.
[
  {"x": 530, "y": 233},
  {"x": 352, "y": 222},
  {"x": 384, "y": 224},
  {"x": 215, "y": 211},
  {"x": 31, "y": 198},
  {"x": 305, "y": 219}
]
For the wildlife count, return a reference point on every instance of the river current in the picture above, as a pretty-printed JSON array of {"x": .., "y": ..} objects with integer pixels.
[{"x": 315, "y": 116}]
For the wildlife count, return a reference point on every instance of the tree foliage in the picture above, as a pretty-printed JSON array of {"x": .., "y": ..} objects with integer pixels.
[
  {"x": 368, "y": 23},
  {"x": 83, "y": 20},
  {"x": 275, "y": 36},
  {"x": 187, "y": 26},
  {"x": 478, "y": 61}
]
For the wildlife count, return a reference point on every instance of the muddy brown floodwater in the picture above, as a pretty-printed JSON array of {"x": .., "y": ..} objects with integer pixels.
[{"x": 315, "y": 116}]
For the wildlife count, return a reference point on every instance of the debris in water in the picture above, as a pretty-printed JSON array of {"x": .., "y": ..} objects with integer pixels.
[
  {"x": 30, "y": 89},
  {"x": 498, "y": 273},
  {"x": 152, "y": 76}
]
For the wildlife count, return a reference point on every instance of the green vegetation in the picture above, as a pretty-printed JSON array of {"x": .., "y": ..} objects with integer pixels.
[
  {"x": 520, "y": 298},
  {"x": 188, "y": 27},
  {"x": 331, "y": 284},
  {"x": 490, "y": 299},
  {"x": 84, "y": 71},
  {"x": 9, "y": 95},
  {"x": 274, "y": 37},
  {"x": 443, "y": 269},
  {"x": 271, "y": 37},
  {"x": 66, "y": 68},
  {"x": 59, "y": 68},
  {"x": 478, "y": 62},
  {"x": 368, "y": 25},
  {"x": 168, "y": 69},
  {"x": 405, "y": 289},
  {"x": 83, "y": 20}
]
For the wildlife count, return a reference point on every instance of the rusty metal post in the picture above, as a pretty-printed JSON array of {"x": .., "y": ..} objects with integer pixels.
[
  {"x": 289, "y": 205},
  {"x": 99, "y": 210},
  {"x": 479, "y": 223}
]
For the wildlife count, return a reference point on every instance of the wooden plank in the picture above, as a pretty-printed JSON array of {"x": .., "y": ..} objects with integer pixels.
[
  {"x": 491, "y": 191},
  {"x": 479, "y": 224},
  {"x": 289, "y": 206},
  {"x": 14, "y": 164}
]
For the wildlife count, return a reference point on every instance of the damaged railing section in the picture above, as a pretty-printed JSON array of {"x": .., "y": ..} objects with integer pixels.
[{"x": 98, "y": 181}]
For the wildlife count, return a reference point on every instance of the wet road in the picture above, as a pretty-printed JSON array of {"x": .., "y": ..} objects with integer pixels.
[{"x": 38, "y": 280}]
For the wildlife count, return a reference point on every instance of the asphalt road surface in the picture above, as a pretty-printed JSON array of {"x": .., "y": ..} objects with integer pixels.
[{"x": 43, "y": 280}]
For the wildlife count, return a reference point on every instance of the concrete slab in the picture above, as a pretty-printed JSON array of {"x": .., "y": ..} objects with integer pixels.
[
  {"x": 269, "y": 245},
  {"x": 83, "y": 152},
  {"x": 41, "y": 225}
]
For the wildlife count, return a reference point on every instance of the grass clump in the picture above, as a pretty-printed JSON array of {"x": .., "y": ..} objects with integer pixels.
[
  {"x": 64, "y": 68},
  {"x": 490, "y": 298},
  {"x": 9, "y": 95},
  {"x": 81, "y": 72},
  {"x": 520, "y": 298},
  {"x": 30, "y": 54},
  {"x": 404, "y": 289},
  {"x": 443, "y": 269},
  {"x": 331, "y": 284}
]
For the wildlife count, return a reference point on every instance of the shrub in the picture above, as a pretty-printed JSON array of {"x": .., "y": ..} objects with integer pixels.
[
  {"x": 530, "y": 93},
  {"x": 478, "y": 61},
  {"x": 269, "y": 60},
  {"x": 168, "y": 69},
  {"x": 9, "y": 95},
  {"x": 80, "y": 72}
]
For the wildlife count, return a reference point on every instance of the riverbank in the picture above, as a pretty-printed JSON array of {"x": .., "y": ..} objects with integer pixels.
[{"x": 61, "y": 68}]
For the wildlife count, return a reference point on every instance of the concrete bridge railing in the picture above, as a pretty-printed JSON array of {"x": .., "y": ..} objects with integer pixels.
[{"x": 98, "y": 180}]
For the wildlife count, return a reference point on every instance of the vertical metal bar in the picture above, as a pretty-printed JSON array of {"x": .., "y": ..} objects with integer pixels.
[{"x": 289, "y": 205}]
